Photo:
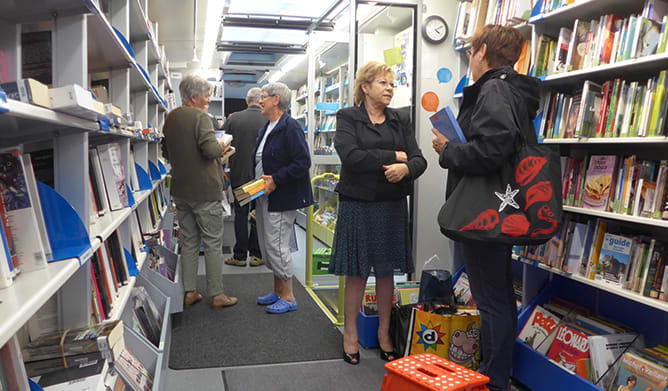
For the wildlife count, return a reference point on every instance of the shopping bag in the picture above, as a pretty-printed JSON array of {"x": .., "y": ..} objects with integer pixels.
[
  {"x": 401, "y": 319},
  {"x": 519, "y": 204},
  {"x": 455, "y": 337},
  {"x": 436, "y": 287}
]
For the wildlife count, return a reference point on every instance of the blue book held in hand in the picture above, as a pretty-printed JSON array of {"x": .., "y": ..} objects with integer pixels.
[{"x": 446, "y": 123}]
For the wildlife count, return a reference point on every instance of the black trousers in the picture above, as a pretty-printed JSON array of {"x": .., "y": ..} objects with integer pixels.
[
  {"x": 491, "y": 280},
  {"x": 245, "y": 242}
]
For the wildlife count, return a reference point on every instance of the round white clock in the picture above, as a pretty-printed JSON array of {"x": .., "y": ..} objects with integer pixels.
[{"x": 434, "y": 29}]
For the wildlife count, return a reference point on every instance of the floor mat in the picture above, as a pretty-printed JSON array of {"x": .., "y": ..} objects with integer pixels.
[
  {"x": 245, "y": 334},
  {"x": 322, "y": 376}
]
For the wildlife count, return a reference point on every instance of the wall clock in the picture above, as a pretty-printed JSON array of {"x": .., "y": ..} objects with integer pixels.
[{"x": 434, "y": 29}]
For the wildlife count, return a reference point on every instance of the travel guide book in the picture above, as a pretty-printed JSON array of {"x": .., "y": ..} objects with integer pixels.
[{"x": 446, "y": 123}]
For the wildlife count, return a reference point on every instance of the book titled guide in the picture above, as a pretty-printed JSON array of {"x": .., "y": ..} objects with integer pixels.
[{"x": 614, "y": 258}]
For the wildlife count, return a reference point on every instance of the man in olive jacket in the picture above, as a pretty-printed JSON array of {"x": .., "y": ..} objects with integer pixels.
[
  {"x": 197, "y": 189},
  {"x": 244, "y": 127}
]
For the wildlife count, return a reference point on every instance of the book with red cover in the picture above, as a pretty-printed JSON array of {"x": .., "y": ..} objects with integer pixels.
[
  {"x": 603, "y": 116},
  {"x": 570, "y": 344}
]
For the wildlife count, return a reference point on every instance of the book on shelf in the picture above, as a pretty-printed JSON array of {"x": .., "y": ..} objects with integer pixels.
[
  {"x": 19, "y": 206},
  {"x": 569, "y": 346},
  {"x": 71, "y": 342},
  {"x": 614, "y": 258},
  {"x": 640, "y": 373},
  {"x": 598, "y": 181},
  {"x": 147, "y": 318},
  {"x": 32, "y": 186},
  {"x": 540, "y": 329},
  {"x": 97, "y": 182},
  {"x": 604, "y": 351},
  {"x": 446, "y": 123},
  {"x": 113, "y": 175},
  {"x": 28, "y": 91},
  {"x": 74, "y": 100}
]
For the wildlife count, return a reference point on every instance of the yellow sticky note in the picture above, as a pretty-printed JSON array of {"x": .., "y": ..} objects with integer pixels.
[{"x": 393, "y": 56}]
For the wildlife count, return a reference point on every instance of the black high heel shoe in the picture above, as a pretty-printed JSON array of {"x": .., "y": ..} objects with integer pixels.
[
  {"x": 387, "y": 356},
  {"x": 349, "y": 357}
]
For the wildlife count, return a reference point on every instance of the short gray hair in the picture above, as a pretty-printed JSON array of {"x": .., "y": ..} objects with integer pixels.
[
  {"x": 193, "y": 86},
  {"x": 282, "y": 91},
  {"x": 254, "y": 95}
]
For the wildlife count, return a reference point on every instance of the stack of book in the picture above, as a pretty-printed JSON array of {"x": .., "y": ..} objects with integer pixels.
[
  {"x": 599, "y": 250},
  {"x": 608, "y": 40},
  {"x": 579, "y": 341},
  {"x": 249, "y": 191}
]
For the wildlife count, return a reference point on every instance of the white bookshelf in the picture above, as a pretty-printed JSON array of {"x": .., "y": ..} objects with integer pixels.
[
  {"x": 29, "y": 292},
  {"x": 538, "y": 371},
  {"x": 619, "y": 217},
  {"x": 608, "y": 140},
  {"x": 87, "y": 43}
]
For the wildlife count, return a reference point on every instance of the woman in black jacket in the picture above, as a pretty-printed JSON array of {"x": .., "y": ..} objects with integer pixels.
[
  {"x": 490, "y": 118},
  {"x": 380, "y": 159}
]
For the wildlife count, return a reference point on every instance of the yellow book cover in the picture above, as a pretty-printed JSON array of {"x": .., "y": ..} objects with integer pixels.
[{"x": 593, "y": 260}]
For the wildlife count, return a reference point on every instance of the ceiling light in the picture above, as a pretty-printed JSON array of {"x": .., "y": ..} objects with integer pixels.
[
  {"x": 214, "y": 13},
  {"x": 276, "y": 76},
  {"x": 292, "y": 63}
]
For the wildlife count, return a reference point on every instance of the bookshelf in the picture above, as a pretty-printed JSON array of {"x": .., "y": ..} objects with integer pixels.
[
  {"x": 115, "y": 41},
  {"x": 643, "y": 314}
]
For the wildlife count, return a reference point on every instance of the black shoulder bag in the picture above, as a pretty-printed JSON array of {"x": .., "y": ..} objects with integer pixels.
[{"x": 519, "y": 204}]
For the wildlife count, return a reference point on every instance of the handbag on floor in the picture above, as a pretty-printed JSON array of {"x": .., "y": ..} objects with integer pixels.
[{"x": 519, "y": 204}]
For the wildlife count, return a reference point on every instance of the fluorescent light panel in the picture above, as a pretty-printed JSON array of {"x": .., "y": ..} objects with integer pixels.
[{"x": 214, "y": 13}]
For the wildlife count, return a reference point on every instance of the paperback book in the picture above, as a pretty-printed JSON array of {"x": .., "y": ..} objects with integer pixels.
[{"x": 445, "y": 122}]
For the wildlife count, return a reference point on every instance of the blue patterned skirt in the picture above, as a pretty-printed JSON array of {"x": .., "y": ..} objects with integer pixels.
[{"x": 371, "y": 236}]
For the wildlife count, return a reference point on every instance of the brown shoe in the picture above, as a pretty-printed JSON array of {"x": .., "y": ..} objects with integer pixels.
[
  {"x": 256, "y": 261},
  {"x": 191, "y": 298},
  {"x": 235, "y": 262},
  {"x": 223, "y": 300}
]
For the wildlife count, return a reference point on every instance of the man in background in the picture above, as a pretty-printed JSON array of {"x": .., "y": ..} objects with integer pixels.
[{"x": 244, "y": 126}]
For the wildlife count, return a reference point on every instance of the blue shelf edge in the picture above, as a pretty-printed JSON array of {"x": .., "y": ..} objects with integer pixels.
[
  {"x": 163, "y": 169},
  {"x": 153, "y": 170},
  {"x": 131, "y": 262},
  {"x": 68, "y": 236},
  {"x": 143, "y": 179}
]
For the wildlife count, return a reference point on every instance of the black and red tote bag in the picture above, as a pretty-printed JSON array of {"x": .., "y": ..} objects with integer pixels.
[{"x": 519, "y": 204}]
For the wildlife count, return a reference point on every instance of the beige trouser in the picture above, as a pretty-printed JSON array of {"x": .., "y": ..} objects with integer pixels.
[{"x": 201, "y": 222}]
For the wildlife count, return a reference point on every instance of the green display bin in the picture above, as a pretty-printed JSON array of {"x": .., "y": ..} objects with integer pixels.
[{"x": 321, "y": 260}]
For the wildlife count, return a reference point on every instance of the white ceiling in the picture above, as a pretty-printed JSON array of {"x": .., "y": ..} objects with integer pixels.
[{"x": 175, "y": 20}]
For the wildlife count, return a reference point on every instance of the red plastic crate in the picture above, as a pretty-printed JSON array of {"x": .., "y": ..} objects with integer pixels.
[{"x": 427, "y": 371}]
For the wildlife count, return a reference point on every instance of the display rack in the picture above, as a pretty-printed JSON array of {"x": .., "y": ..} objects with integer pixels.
[
  {"x": 646, "y": 315},
  {"x": 121, "y": 44}
]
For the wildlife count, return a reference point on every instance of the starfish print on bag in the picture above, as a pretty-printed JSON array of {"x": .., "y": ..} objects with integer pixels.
[{"x": 508, "y": 198}]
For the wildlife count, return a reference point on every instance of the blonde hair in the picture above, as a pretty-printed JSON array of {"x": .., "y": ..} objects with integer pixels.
[{"x": 366, "y": 74}]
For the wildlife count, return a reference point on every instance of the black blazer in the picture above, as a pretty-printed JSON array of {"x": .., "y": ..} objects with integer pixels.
[
  {"x": 362, "y": 158},
  {"x": 244, "y": 126}
]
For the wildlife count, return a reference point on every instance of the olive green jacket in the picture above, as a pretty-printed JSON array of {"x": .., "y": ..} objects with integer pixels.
[{"x": 194, "y": 154}]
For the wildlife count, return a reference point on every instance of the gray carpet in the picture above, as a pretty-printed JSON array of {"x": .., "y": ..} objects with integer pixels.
[
  {"x": 322, "y": 376},
  {"x": 245, "y": 334}
]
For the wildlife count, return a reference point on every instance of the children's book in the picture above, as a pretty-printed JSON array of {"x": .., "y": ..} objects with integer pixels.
[
  {"x": 570, "y": 344},
  {"x": 446, "y": 123},
  {"x": 539, "y": 330},
  {"x": 604, "y": 351},
  {"x": 638, "y": 373}
]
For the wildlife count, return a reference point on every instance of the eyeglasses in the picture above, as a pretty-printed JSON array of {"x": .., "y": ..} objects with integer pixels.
[
  {"x": 267, "y": 96},
  {"x": 469, "y": 53},
  {"x": 385, "y": 83}
]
